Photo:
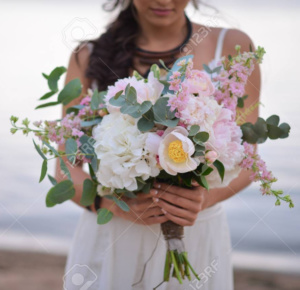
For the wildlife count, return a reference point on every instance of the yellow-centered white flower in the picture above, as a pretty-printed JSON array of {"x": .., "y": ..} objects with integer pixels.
[{"x": 175, "y": 151}]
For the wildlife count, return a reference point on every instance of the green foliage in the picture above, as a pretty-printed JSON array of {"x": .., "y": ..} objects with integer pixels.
[
  {"x": 44, "y": 170},
  {"x": 194, "y": 130},
  {"x": 71, "y": 91},
  {"x": 47, "y": 105},
  {"x": 97, "y": 99},
  {"x": 104, "y": 216},
  {"x": 52, "y": 179},
  {"x": 87, "y": 148},
  {"x": 89, "y": 192},
  {"x": 220, "y": 167},
  {"x": 156, "y": 71},
  {"x": 200, "y": 138},
  {"x": 71, "y": 150},
  {"x": 54, "y": 76},
  {"x": 75, "y": 109},
  {"x": 162, "y": 113},
  {"x": 259, "y": 132},
  {"x": 39, "y": 150},
  {"x": 60, "y": 193},
  {"x": 90, "y": 122},
  {"x": 240, "y": 102},
  {"x": 121, "y": 203}
]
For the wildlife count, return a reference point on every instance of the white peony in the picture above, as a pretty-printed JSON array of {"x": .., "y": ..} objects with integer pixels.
[
  {"x": 175, "y": 151},
  {"x": 120, "y": 147}
]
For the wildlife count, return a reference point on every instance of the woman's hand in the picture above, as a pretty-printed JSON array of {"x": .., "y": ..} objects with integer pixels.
[
  {"x": 180, "y": 205},
  {"x": 142, "y": 209}
]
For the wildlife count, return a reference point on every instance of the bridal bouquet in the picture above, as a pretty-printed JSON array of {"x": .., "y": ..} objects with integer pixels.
[{"x": 175, "y": 129}]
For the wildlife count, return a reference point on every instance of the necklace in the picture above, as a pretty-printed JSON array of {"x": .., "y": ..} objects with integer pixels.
[{"x": 146, "y": 57}]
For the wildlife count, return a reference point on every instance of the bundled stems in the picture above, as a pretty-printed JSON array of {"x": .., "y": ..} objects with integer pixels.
[{"x": 176, "y": 261}]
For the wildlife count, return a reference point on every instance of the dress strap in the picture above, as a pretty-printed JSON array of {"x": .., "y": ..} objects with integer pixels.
[
  {"x": 90, "y": 46},
  {"x": 219, "y": 47}
]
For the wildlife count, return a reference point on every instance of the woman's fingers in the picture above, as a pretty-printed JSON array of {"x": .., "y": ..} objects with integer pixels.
[
  {"x": 192, "y": 194},
  {"x": 155, "y": 220},
  {"x": 178, "y": 220},
  {"x": 175, "y": 210},
  {"x": 178, "y": 200}
]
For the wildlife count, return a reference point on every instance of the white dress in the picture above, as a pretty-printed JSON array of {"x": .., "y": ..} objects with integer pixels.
[{"x": 113, "y": 256}]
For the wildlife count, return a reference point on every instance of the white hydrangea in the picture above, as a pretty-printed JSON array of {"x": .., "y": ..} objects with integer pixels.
[{"x": 121, "y": 149}]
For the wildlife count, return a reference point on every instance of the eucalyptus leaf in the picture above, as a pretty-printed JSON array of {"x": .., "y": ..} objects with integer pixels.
[
  {"x": 52, "y": 179},
  {"x": 65, "y": 169},
  {"x": 131, "y": 95},
  {"x": 130, "y": 194},
  {"x": 220, "y": 167},
  {"x": 274, "y": 132},
  {"x": 92, "y": 173},
  {"x": 201, "y": 137},
  {"x": 74, "y": 109},
  {"x": 60, "y": 193},
  {"x": 97, "y": 99},
  {"x": 104, "y": 216},
  {"x": 39, "y": 150},
  {"x": 89, "y": 192},
  {"x": 285, "y": 128},
  {"x": 47, "y": 105},
  {"x": 162, "y": 111},
  {"x": 71, "y": 91},
  {"x": 144, "y": 124},
  {"x": 207, "y": 69},
  {"x": 54, "y": 76},
  {"x": 249, "y": 135},
  {"x": 47, "y": 95},
  {"x": 273, "y": 120},
  {"x": 91, "y": 122},
  {"x": 71, "y": 150},
  {"x": 194, "y": 130},
  {"x": 261, "y": 129},
  {"x": 121, "y": 204},
  {"x": 44, "y": 170},
  {"x": 51, "y": 148}
]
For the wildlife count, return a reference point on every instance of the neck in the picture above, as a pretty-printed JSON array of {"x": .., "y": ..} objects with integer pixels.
[{"x": 154, "y": 37}]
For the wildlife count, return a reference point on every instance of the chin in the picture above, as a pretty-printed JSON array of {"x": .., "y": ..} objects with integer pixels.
[{"x": 160, "y": 21}]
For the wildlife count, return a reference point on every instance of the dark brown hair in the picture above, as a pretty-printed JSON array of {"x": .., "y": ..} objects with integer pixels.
[{"x": 112, "y": 52}]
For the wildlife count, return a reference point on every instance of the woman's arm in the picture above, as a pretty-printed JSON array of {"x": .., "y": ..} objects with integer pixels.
[
  {"x": 142, "y": 209},
  {"x": 182, "y": 205},
  {"x": 75, "y": 70}
]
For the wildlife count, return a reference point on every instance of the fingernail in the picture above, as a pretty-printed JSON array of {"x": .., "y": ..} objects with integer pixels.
[
  {"x": 153, "y": 191},
  {"x": 164, "y": 211},
  {"x": 157, "y": 185},
  {"x": 155, "y": 199}
]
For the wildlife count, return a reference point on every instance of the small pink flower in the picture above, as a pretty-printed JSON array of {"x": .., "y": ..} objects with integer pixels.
[{"x": 211, "y": 156}]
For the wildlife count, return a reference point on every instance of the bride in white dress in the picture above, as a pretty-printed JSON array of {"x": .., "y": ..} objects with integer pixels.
[{"x": 129, "y": 251}]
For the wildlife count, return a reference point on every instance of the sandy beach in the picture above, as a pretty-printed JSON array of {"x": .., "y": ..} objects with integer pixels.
[{"x": 36, "y": 271}]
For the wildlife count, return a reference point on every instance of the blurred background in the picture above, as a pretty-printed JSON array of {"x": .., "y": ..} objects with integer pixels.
[{"x": 37, "y": 36}]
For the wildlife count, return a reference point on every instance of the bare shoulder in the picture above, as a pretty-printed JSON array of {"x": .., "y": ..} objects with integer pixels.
[{"x": 235, "y": 37}]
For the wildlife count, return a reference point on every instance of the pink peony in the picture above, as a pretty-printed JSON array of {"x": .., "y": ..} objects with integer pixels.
[
  {"x": 199, "y": 83},
  {"x": 149, "y": 91}
]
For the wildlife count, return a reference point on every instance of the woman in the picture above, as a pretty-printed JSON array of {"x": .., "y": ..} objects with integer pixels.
[{"x": 129, "y": 251}]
